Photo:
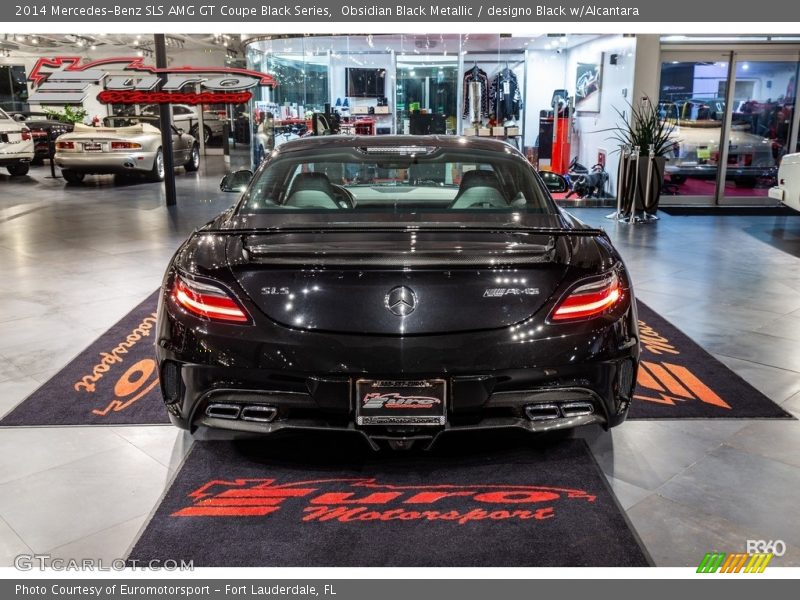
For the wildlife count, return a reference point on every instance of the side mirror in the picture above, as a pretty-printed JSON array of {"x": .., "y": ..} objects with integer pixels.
[
  {"x": 180, "y": 131},
  {"x": 236, "y": 181},
  {"x": 19, "y": 118},
  {"x": 555, "y": 183}
]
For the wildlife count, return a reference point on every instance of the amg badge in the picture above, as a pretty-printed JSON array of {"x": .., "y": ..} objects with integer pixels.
[{"x": 500, "y": 292}]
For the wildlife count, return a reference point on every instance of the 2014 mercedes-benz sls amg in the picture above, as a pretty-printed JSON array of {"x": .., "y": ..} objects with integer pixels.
[{"x": 398, "y": 287}]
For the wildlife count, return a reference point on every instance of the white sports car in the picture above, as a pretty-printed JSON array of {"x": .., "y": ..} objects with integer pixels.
[
  {"x": 123, "y": 145},
  {"x": 16, "y": 146},
  {"x": 788, "y": 188}
]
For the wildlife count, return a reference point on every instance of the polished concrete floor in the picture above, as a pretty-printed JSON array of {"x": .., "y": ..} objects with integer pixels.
[{"x": 75, "y": 260}]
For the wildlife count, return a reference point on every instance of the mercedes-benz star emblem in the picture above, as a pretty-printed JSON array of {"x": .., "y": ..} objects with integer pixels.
[{"x": 401, "y": 301}]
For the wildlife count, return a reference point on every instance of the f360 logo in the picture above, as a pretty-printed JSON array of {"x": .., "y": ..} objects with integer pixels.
[{"x": 66, "y": 80}]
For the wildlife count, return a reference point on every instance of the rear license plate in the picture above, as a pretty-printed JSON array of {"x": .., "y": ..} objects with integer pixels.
[
  {"x": 93, "y": 147},
  {"x": 390, "y": 402}
]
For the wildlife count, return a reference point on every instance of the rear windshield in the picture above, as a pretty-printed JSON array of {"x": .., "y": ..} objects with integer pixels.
[{"x": 396, "y": 179}]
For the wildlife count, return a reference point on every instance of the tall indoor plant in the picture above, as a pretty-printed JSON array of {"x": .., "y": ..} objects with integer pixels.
[{"x": 644, "y": 128}]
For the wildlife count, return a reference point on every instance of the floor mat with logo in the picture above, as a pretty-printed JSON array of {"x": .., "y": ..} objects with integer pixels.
[{"x": 287, "y": 503}]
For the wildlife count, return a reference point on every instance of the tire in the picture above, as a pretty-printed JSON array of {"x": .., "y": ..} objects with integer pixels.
[
  {"x": 72, "y": 177},
  {"x": 193, "y": 163},
  {"x": 37, "y": 161},
  {"x": 679, "y": 179},
  {"x": 157, "y": 172},
  {"x": 18, "y": 170},
  {"x": 195, "y": 130}
]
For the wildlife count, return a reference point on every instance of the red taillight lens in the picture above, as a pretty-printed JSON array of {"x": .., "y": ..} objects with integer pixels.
[
  {"x": 125, "y": 146},
  {"x": 207, "y": 301},
  {"x": 65, "y": 145},
  {"x": 589, "y": 300},
  {"x": 26, "y": 134}
]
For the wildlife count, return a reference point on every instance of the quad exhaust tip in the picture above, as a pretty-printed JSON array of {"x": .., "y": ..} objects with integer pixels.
[
  {"x": 259, "y": 413},
  {"x": 542, "y": 412},
  {"x": 566, "y": 410}
]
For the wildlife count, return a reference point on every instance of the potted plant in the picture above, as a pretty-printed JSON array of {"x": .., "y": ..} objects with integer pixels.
[{"x": 644, "y": 128}]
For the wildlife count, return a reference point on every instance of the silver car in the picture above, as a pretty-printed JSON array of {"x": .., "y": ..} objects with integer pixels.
[
  {"x": 187, "y": 117},
  {"x": 122, "y": 146}
]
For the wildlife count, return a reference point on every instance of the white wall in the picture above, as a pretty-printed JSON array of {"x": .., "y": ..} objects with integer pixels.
[
  {"x": 617, "y": 86},
  {"x": 546, "y": 72}
]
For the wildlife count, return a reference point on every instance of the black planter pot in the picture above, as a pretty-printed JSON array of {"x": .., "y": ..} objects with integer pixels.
[{"x": 634, "y": 191}]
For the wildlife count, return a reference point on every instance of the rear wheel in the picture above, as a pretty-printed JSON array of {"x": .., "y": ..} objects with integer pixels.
[
  {"x": 18, "y": 170},
  {"x": 194, "y": 159},
  {"x": 157, "y": 172},
  {"x": 195, "y": 131},
  {"x": 72, "y": 177}
]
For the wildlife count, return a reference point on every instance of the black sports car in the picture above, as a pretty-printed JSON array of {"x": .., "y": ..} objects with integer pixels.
[
  {"x": 399, "y": 287},
  {"x": 44, "y": 129}
]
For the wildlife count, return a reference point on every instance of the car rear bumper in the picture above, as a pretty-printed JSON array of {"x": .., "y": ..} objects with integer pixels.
[
  {"x": 556, "y": 383},
  {"x": 14, "y": 158},
  {"x": 105, "y": 163},
  {"x": 710, "y": 171}
]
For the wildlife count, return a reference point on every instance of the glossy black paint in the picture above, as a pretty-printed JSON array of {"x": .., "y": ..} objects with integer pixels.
[{"x": 318, "y": 325}]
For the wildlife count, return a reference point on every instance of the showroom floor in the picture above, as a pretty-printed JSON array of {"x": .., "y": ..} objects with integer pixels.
[{"x": 75, "y": 260}]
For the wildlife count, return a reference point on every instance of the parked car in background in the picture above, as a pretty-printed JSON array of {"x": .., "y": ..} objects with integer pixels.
[
  {"x": 16, "y": 145},
  {"x": 122, "y": 146},
  {"x": 43, "y": 130},
  {"x": 187, "y": 118},
  {"x": 752, "y": 158},
  {"x": 788, "y": 188}
]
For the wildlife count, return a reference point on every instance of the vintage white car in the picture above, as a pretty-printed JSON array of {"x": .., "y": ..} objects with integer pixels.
[
  {"x": 752, "y": 158},
  {"x": 16, "y": 146},
  {"x": 788, "y": 188},
  {"x": 122, "y": 146}
]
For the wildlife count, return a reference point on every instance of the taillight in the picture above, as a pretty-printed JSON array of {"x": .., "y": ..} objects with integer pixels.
[
  {"x": 589, "y": 300},
  {"x": 206, "y": 300},
  {"x": 26, "y": 134},
  {"x": 65, "y": 145},
  {"x": 125, "y": 146}
]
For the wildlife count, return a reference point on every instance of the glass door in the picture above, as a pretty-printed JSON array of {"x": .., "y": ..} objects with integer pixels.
[
  {"x": 762, "y": 123},
  {"x": 692, "y": 93}
]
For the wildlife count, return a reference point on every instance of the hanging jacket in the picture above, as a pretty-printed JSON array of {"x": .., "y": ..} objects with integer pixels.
[
  {"x": 478, "y": 75},
  {"x": 506, "y": 99}
]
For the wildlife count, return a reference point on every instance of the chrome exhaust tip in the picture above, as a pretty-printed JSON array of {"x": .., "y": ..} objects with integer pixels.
[
  {"x": 260, "y": 413},
  {"x": 542, "y": 412},
  {"x": 223, "y": 411},
  {"x": 577, "y": 409}
]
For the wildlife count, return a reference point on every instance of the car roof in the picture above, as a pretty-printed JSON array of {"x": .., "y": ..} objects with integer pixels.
[{"x": 456, "y": 142}]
